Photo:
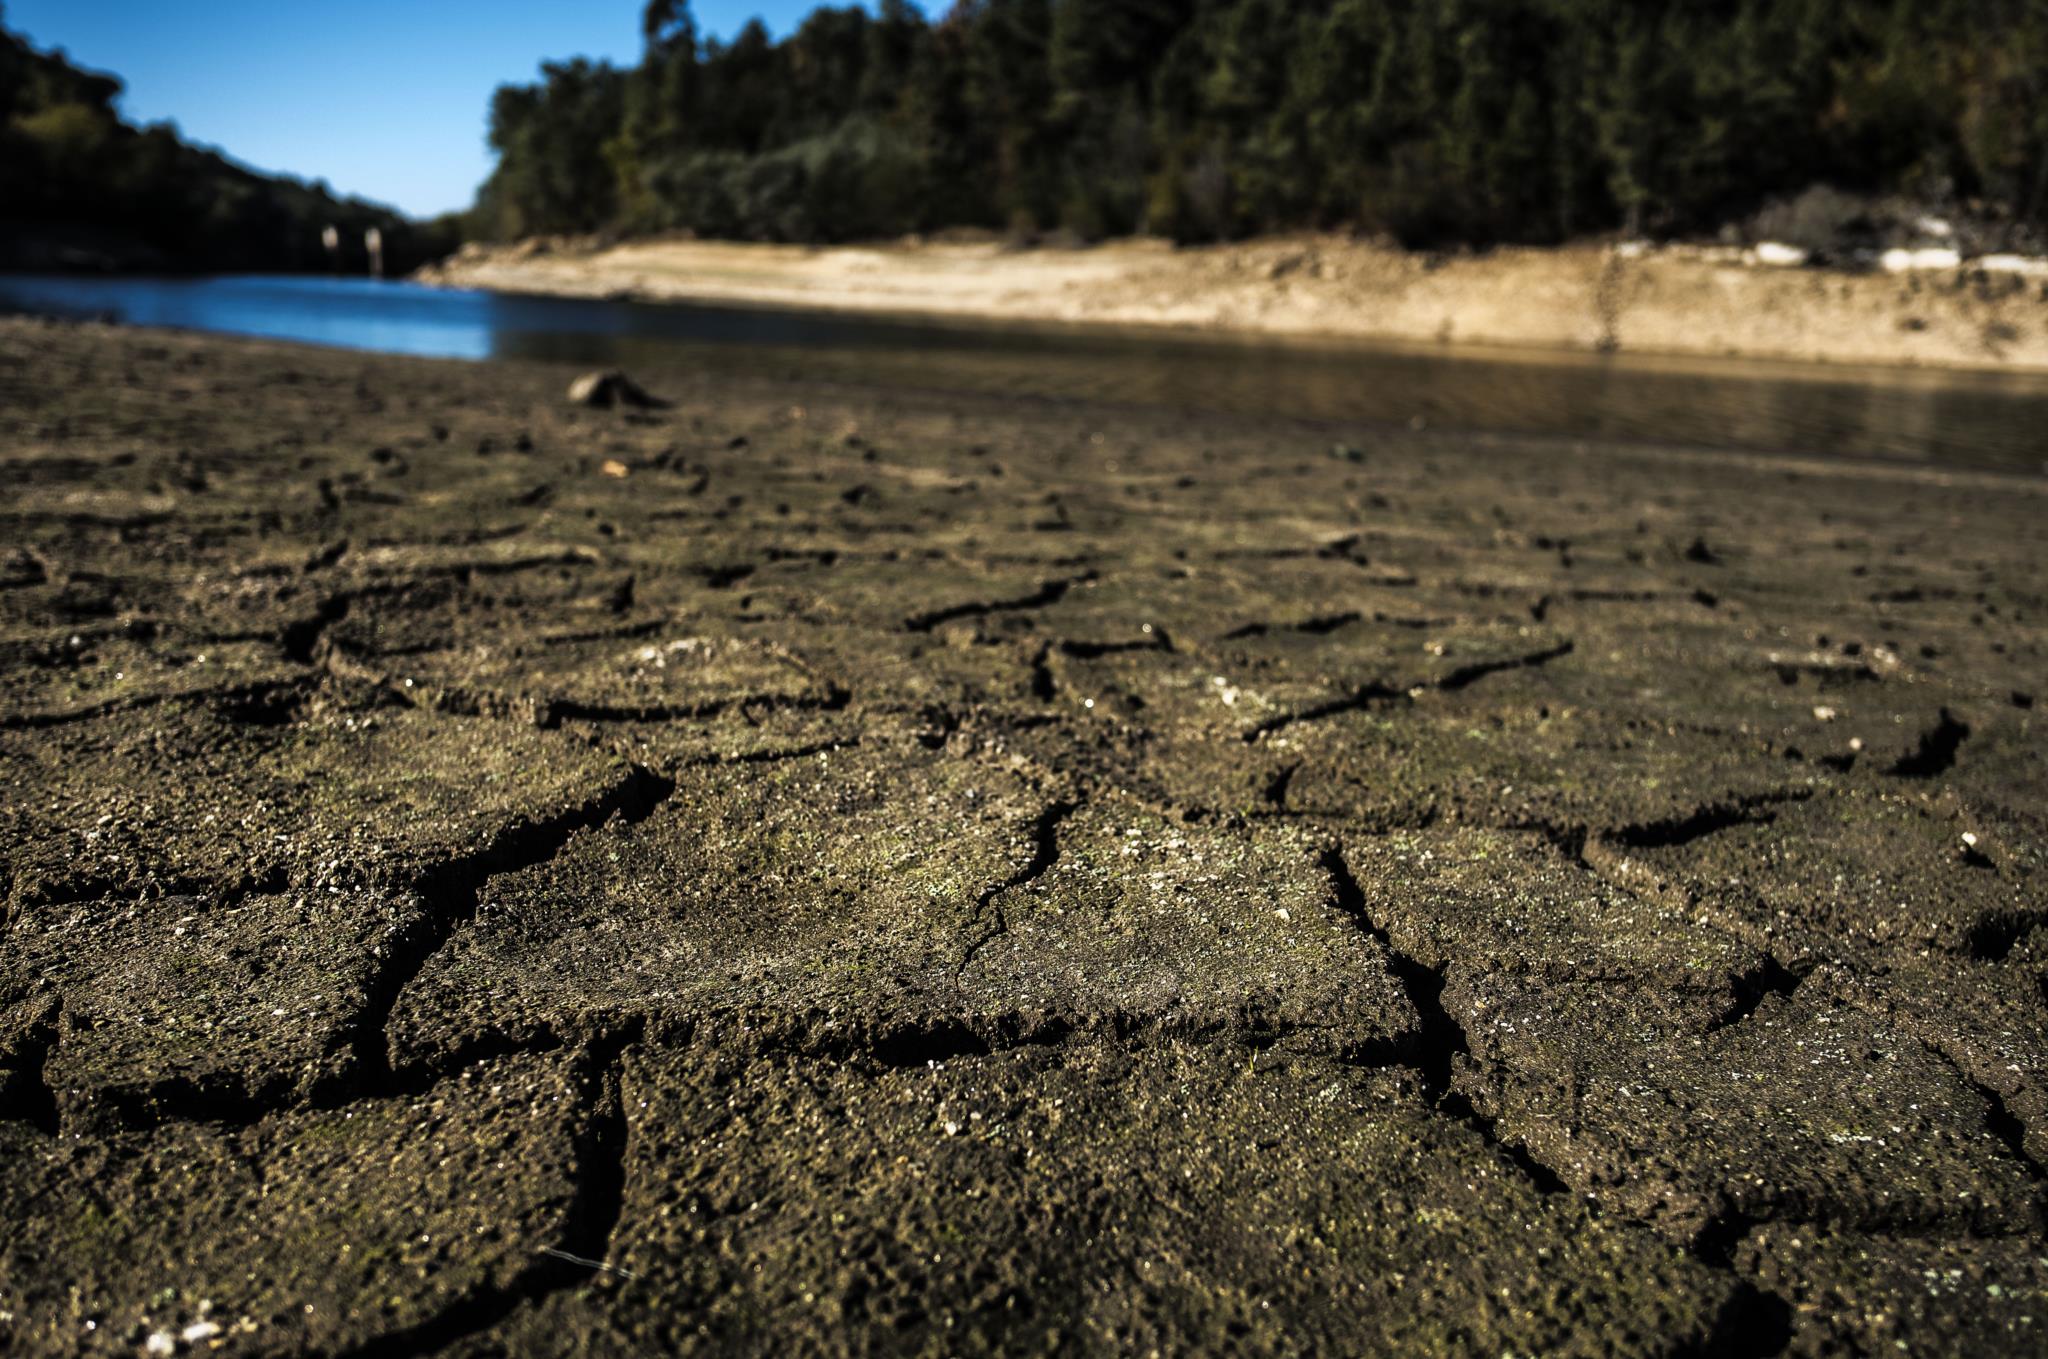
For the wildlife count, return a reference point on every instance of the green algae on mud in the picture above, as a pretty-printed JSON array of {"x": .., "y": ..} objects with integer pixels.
[{"x": 811, "y": 869}]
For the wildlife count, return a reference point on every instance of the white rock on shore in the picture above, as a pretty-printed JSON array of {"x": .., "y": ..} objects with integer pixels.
[
  {"x": 1779, "y": 255},
  {"x": 1900, "y": 261},
  {"x": 2026, "y": 266}
]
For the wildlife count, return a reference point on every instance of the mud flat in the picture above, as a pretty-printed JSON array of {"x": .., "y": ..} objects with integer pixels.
[
  {"x": 1686, "y": 301},
  {"x": 802, "y": 871}
]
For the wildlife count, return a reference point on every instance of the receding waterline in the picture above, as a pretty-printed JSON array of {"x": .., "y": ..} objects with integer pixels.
[{"x": 1961, "y": 419}]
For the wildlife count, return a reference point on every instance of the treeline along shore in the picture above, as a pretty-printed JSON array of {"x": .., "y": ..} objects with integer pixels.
[{"x": 1431, "y": 123}]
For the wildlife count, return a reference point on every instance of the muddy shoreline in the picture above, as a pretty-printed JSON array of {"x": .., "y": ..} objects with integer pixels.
[
  {"x": 854, "y": 872},
  {"x": 1675, "y": 301}
]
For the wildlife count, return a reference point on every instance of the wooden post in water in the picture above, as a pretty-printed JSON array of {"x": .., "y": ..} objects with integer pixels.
[{"x": 373, "y": 241}]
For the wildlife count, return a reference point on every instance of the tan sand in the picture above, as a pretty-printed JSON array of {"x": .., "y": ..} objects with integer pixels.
[{"x": 1669, "y": 301}]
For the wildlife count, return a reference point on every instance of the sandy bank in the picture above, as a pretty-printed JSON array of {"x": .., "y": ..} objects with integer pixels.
[{"x": 1672, "y": 301}]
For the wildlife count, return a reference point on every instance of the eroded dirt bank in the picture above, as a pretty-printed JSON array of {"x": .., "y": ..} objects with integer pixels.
[
  {"x": 804, "y": 872},
  {"x": 1580, "y": 297}
]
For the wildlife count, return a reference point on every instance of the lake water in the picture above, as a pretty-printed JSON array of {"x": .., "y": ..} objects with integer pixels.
[{"x": 1982, "y": 420}]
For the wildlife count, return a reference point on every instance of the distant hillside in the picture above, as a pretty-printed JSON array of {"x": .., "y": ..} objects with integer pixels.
[
  {"x": 1435, "y": 122},
  {"x": 82, "y": 189}
]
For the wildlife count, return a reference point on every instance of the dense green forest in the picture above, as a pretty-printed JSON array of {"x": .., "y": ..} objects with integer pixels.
[
  {"x": 1433, "y": 121},
  {"x": 79, "y": 187}
]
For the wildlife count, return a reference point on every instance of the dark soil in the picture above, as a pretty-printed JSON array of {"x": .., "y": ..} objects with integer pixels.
[{"x": 794, "y": 871}]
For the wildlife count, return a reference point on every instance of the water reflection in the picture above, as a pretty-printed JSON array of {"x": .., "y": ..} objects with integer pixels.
[{"x": 1967, "y": 419}]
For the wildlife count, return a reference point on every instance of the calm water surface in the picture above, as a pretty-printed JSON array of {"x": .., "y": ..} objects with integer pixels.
[{"x": 1982, "y": 420}]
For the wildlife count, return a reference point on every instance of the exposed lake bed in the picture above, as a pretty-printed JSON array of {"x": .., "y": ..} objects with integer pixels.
[{"x": 862, "y": 866}]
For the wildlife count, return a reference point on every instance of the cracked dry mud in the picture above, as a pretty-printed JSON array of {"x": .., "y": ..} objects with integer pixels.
[{"x": 893, "y": 875}]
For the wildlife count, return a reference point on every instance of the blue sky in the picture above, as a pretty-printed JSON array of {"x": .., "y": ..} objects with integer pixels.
[{"x": 383, "y": 98}]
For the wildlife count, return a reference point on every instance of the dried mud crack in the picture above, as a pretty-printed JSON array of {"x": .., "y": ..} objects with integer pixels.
[
  {"x": 583, "y": 1244},
  {"x": 447, "y": 897},
  {"x": 1379, "y": 693},
  {"x": 1440, "y": 1040},
  {"x": 1052, "y": 592},
  {"x": 989, "y": 920},
  {"x": 459, "y": 900}
]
